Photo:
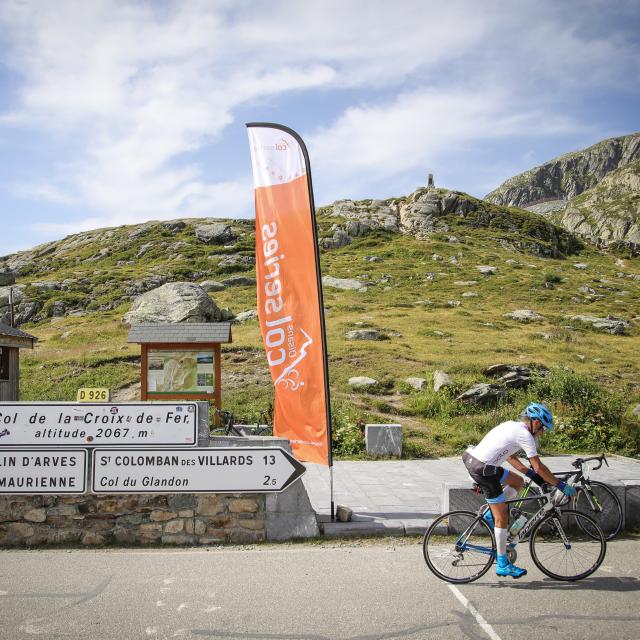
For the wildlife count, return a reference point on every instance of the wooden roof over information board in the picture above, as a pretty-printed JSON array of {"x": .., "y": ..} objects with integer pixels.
[{"x": 179, "y": 333}]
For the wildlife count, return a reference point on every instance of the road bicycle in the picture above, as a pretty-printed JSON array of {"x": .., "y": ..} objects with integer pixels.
[
  {"x": 230, "y": 426},
  {"x": 565, "y": 544},
  {"x": 597, "y": 499}
]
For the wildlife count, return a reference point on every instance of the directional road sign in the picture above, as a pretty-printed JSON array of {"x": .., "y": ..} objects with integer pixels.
[
  {"x": 201, "y": 470},
  {"x": 39, "y": 471},
  {"x": 98, "y": 424}
]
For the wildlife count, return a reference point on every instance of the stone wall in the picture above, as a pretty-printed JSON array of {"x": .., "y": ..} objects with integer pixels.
[{"x": 191, "y": 519}]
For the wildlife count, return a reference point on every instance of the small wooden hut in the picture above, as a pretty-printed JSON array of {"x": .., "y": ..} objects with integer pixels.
[{"x": 11, "y": 341}]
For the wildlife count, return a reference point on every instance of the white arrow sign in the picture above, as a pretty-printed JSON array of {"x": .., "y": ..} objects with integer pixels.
[{"x": 202, "y": 470}]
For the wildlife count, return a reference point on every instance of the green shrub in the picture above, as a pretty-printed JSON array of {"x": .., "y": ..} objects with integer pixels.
[
  {"x": 587, "y": 416},
  {"x": 347, "y": 430},
  {"x": 429, "y": 404},
  {"x": 552, "y": 278}
]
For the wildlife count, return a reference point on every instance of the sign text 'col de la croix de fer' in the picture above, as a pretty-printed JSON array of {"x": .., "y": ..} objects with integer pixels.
[{"x": 87, "y": 424}]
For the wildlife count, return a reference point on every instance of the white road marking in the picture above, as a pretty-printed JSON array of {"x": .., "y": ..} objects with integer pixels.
[
  {"x": 150, "y": 631},
  {"x": 169, "y": 580},
  {"x": 211, "y": 609},
  {"x": 4, "y": 593},
  {"x": 486, "y": 627},
  {"x": 161, "y": 604},
  {"x": 182, "y": 606}
]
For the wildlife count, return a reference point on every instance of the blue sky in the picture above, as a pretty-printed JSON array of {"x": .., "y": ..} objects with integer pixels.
[{"x": 115, "y": 112}]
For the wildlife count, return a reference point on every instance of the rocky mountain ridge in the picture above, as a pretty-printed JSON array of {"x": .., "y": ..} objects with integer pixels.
[
  {"x": 567, "y": 176},
  {"x": 592, "y": 193},
  {"x": 609, "y": 213}
]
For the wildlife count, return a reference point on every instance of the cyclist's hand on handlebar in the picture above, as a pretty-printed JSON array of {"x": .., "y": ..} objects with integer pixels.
[{"x": 567, "y": 489}]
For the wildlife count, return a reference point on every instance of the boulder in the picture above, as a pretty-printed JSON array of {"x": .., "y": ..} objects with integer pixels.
[
  {"x": 173, "y": 302},
  {"x": 236, "y": 261},
  {"x": 343, "y": 283},
  {"x": 483, "y": 394},
  {"x": 246, "y": 316},
  {"x": 524, "y": 315},
  {"x": 214, "y": 233},
  {"x": 173, "y": 226},
  {"x": 362, "y": 382},
  {"x": 239, "y": 281},
  {"x": 373, "y": 259},
  {"x": 340, "y": 239},
  {"x": 441, "y": 379},
  {"x": 580, "y": 265},
  {"x": 364, "y": 334},
  {"x": 7, "y": 277},
  {"x": 143, "y": 249},
  {"x": 636, "y": 411},
  {"x": 610, "y": 324},
  {"x": 49, "y": 285},
  {"x": 212, "y": 285},
  {"x": 486, "y": 270},
  {"x": 419, "y": 384},
  {"x": 25, "y": 309}
]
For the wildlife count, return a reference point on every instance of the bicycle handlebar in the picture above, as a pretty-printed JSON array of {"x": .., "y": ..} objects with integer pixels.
[{"x": 578, "y": 462}]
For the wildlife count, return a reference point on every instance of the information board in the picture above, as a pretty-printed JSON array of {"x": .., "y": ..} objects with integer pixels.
[
  {"x": 98, "y": 424},
  {"x": 180, "y": 371},
  {"x": 42, "y": 471},
  {"x": 201, "y": 470}
]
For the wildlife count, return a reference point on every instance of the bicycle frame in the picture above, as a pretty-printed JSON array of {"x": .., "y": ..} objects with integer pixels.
[{"x": 461, "y": 545}]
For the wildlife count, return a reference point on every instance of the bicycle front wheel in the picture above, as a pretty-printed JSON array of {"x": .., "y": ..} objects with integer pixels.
[
  {"x": 603, "y": 505},
  {"x": 561, "y": 548},
  {"x": 459, "y": 547}
]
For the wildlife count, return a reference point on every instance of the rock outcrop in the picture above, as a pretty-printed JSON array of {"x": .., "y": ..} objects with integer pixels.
[{"x": 430, "y": 210}]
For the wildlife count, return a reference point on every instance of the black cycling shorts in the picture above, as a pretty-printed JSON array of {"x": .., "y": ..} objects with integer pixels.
[{"x": 487, "y": 476}]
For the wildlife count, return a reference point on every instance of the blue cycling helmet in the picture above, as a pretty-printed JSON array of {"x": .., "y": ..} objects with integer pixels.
[{"x": 538, "y": 411}]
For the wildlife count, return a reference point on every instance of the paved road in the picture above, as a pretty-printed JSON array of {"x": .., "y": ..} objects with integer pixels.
[{"x": 359, "y": 590}]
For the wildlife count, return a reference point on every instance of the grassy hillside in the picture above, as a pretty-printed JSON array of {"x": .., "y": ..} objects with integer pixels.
[{"x": 414, "y": 299}]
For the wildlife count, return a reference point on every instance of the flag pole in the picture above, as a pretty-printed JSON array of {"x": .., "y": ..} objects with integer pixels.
[{"x": 316, "y": 248}]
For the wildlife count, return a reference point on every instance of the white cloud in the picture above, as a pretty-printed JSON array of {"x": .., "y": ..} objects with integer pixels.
[
  {"x": 414, "y": 130},
  {"x": 127, "y": 90}
]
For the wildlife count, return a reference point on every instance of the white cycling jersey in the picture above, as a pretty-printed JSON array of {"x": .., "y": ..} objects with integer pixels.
[{"x": 503, "y": 441}]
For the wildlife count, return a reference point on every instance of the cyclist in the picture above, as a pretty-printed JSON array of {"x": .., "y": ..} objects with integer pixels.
[{"x": 483, "y": 462}]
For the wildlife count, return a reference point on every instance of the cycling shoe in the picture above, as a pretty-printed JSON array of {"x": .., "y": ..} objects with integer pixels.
[{"x": 510, "y": 570}]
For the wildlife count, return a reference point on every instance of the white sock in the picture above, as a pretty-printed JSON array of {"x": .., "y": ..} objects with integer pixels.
[
  {"x": 501, "y": 540},
  {"x": 509, "y": 492}
]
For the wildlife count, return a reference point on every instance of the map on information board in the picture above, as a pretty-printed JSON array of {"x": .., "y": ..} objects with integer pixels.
[{"x": 179, "y": 371}]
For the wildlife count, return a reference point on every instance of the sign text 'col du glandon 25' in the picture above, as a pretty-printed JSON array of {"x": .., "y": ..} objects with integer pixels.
[
  {"x": 208, "y": 470},
  {"x": 289, "y": 290},
  {"x": 45, "y": 424}
]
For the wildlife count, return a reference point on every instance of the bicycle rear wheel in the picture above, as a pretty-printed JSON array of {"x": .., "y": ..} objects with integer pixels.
[
  {"x": 561, "y": 548},
  {"x": 606, "y": 509},
  {"x": 459, "y": 547}
]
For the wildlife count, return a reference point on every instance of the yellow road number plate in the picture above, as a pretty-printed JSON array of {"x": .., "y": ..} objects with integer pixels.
[{"x": 93, "y": 395}]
